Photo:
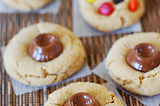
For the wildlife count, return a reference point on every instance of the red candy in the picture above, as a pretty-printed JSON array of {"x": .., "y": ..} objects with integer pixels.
[
  {"x": 106, "y": 9},
  {"x": 133, "y": 5}
]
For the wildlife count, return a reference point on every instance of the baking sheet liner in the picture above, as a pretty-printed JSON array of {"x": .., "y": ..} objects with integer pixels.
[
  {"x": 111, "y": 87},
  {"x": 82, "y": 29},
  {"x": 102, "y": 72},
  {"x": 52, "y": 8}
]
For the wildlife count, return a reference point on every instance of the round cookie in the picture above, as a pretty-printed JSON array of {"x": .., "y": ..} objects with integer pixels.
[
  {"x": 26, "y": 5},
  {"x": 98, "y": 92},
  {"x": 121, "y": 17},
  {"x": 21, "y": 67},
  {"x": 127, "y": 77}
]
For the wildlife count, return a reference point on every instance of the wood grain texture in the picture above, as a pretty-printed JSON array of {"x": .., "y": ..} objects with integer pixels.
[{"x": 96, "y": 48}]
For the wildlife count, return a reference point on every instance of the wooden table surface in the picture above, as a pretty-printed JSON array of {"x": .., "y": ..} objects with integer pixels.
[{"x": 96, "y": 48}]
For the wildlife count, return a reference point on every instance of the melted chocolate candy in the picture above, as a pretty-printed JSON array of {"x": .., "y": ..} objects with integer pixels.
[
  {"x": 45, "y": 47},
  {"x": 143, "y": 57},
  {"x": 81, "y": 99}
]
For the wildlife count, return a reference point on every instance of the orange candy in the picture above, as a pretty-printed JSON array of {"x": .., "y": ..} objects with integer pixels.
[{"x": 133, "y": 5}]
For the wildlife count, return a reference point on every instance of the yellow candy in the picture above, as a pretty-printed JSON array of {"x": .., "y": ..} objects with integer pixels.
[{"x": 91, "y": 1}]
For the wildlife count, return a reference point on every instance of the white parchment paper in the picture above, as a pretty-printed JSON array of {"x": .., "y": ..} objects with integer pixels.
[
  {"x": 82, "y": 29},
  {"x": 52, "y": 8},
  {"x": 20, "y": 88},
  {"x": 111, "y": 87},
  {"x": 102, "y": 72}
]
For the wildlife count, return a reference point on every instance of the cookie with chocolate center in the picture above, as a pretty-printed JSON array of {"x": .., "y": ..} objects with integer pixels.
[
  {"x": 133, "y": 63},
  {"x": 83, "y": 94},
  {"x": 43, "y": 54}
]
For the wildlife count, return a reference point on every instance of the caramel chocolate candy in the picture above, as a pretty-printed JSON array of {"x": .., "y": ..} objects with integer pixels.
[
  {"x": 81, "y": 99},
  {"x": 45, "y": 47},
  {"x": 143, "y": 57}
]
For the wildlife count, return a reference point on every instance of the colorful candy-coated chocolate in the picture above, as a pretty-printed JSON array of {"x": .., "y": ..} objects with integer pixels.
[
  {"x": 106, "y": 9},
  {"x": 117, "y": 1},
  {"x": 133, "y": 5},
  {"x": 91, "y": 1}
]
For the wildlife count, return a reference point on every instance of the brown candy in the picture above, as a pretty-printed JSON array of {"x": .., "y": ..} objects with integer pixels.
[
  {"x": 81, "y": 99},
  {"x": 45, "y": 47},
  {"x": 143, "y": 57}
]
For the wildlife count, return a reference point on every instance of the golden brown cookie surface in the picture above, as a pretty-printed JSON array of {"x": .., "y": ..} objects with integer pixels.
[
  {"x": 134, "y": 81},
  {"x": 98, "y": 92},
  {"x": 26, "y": 5},
  {"x": 20, "y": 66}
]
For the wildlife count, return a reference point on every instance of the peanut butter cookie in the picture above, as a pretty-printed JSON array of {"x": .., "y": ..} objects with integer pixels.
[
  {"x": 26, "y": 5},
  {"x": 139, "y": 73},
  {"x": 40, "y": 67},
  {"x": 81, "y": 93}
]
